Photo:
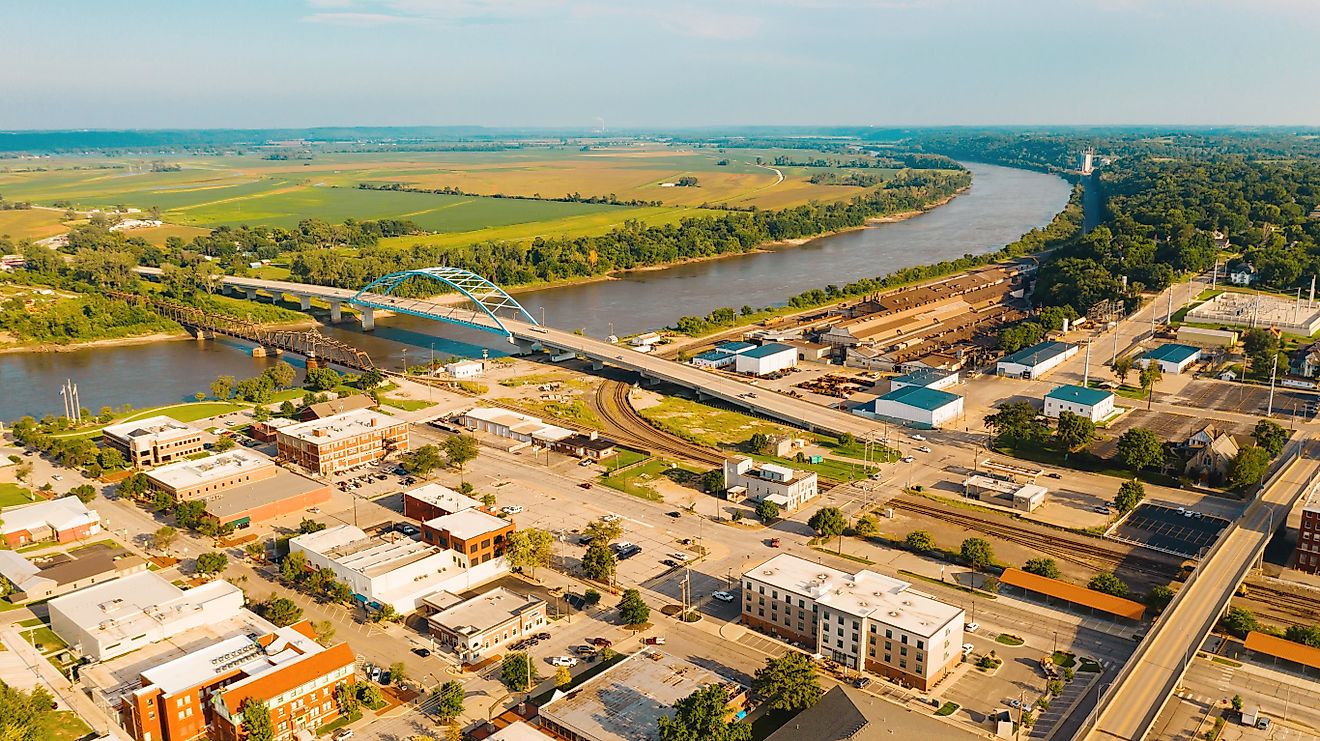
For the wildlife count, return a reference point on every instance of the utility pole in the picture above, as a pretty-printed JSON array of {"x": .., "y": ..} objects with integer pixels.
[
  {"x": 1086, "y": 372},
  {"x": 1269, "y": 409}
]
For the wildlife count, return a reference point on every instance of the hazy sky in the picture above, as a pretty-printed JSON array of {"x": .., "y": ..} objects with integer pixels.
[{"x": 638, "y": 63}]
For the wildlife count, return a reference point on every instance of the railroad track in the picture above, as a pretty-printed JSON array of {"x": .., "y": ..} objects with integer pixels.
[
  {"x": 625, "y": 425},
  {"x": 1298, "y": 606},
  {"x": 1059, "y": 544}
]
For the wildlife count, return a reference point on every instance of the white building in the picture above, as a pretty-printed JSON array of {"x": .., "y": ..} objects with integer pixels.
[
  {"x": 864, "y": 620},
  {"x": 1024, "y": 497},
  {"x": 645, "y": 340},
  {"x": 153, "y": 441},
  {"x": 1094, "y": 404},
  {"x": 464, "y": 369},
  {"x": 931, "y": 378},
  {"x": 474, "y": 628},
  {"x": 517, "y": 426},
  {"x": 391, "y": 570},
  {"x": 722, "y": 355},
  {"x": 1171, "y": 358},
  {"x": 1243, "y": 275},
  {"x": 766, "y": 359},
  {"x": 782, "y": 485},
  {"x": 113, "y": 618},
  {"x": 1035, "y": 361},
  {"x": 915, "y": 406}
]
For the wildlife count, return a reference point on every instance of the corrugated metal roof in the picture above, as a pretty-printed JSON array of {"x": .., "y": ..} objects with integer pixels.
[
  {"x": 1079, "y": 395},
  {"x": 1072, "y": 593},
  {"x": 1172, "y": 353},
  {"x": 1037, "y": 354},
  {"x": 1283, "y": 648},
  {"x": 774, "y": 348},
  {"x": 920, "y": 397}
]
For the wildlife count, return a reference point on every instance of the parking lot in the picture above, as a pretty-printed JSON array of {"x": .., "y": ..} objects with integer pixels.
[
  {"x": 1240, "y": 397},
  {"x": 1169, "y": 529}
]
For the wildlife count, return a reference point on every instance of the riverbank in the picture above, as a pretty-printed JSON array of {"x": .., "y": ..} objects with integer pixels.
[{"x": 143, "y": 339}]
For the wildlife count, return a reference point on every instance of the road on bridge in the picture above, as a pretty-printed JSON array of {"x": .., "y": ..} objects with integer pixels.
[{"x": 1129, "y": 708}]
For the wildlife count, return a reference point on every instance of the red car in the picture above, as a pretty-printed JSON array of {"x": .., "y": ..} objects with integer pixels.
[{"x": 774, "y": 542}]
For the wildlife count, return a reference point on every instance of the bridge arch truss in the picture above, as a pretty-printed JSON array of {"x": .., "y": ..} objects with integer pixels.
[{"x": 486, "y": 301}]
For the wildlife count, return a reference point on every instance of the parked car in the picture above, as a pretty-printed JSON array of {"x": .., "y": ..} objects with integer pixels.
[
  {"x": 862, "y": 683},
  {"x": 1014, "y": 703},
  {"x": 585, "y": 484},
  {"x": 343, "y": 734},
  {"x": 511, "y": 509},
  {"x": 1054, "y": 475},
  {"x": 385, "y": 677},
  {"x": 908, "y": 459},
  {"x": 601, "y": 642},
  {"x": 610, "y": 518},
  {"x": 923, "y": 449},
  {"x": 584, "y": 539},
  {"x": 582, "y": 650},
  {"x": 654, "y": 641},
  {"x": 568, "y": 661},
  {"x": 422, "y": 652},
  {"x": 671, "y": 563},
  {"x": 584, "y": 462},
  {"x": 774, "y": 542},
  {"x": 972, "y": 627},
  {"x": 680, "y": 556},
  {"x": 542, "y": 636},
  {"x": 674, "y": 513},
  {"x": 919, "y": 438},
  {"x": 968, "y": 649},
  {"x": 723, "y": 596}
]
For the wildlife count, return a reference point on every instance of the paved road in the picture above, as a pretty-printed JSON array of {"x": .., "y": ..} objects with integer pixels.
[{"x": 1140, "y": 691}]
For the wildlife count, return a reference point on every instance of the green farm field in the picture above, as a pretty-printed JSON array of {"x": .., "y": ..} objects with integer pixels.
[{"x": 35, "y": 223}]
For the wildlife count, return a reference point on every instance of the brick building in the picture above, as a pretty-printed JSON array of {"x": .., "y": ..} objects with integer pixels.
[
  {"x": 474, "y": 628},
  {"x": 202, "y": 693},
  {"x": 333, "y": 444},
  {"x": 1307, "y": 554},
  {"x": 430, "y": 501},
  {"x": 62, "y": 520},
  {"x": 475, "y": 534},
  {"x": 208, "y": 477},
  {"x": 153, "y": 441}
]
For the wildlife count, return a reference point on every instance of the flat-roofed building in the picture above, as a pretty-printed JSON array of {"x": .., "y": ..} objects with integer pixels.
[
  {"x": 477, "y": 535},
  {"x": 865, "y": 620},
  {"x": 333, "y": 444},
  {"x": 464, "y": 369},
  {"x": 392, "y": 569},
  {"x": 474, "y": 628},
  {"x": 115, "y": 617},
  {"x": 766, "y": 359},
  {"x": 206, "y": 477},
  {"x": 264, "y": 500},
  {"x": 626, "y": 701},
  {"x": 931, "y": 378},
  {"x": 915, "y": 406},
  {"x": 62, "y": 520},
  {"x": 1093, "y": 404},
  {"x": 523, "y": 428},
  {"x": 1035, "y": 361},
  {"x": 153, "y": 441},
  {"x": 786, "y": 487},
  {"x": 202, "y": 693},
  {"x": 1024, "y": 497},
  {"x": 430, "y": 501},
  {"x": 265, "y": 431},
  {"x": 1306, "y": 555},
  {"x": 50, "y": 576},
  {"x": 1172, "y": 358},
  {"x": 589, "y": 445}
]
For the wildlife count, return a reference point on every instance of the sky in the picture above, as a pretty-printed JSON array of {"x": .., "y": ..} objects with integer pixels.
[{"x": 68, "y": 64}]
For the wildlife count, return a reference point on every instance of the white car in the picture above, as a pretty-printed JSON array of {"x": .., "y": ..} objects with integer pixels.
[
  {"x": 972, "y": 627},
  {"x": 343, "y": 734},
  {"x": 678, "y": 556},
  {"x": 610, "y": 518},
  {"x": 923, "y": 449},
  {"x": 511, "y": 509},
  {"x": 908, "y": 459},
  {"x": 968, "y": 649},
  {"x": 568, "y": 661},
  {"x": 919, "y": 438},
  {"x": 723, "y": 596}
]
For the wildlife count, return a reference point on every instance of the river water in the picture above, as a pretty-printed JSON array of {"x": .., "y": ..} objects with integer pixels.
[{"x": 1001, "y": 205}]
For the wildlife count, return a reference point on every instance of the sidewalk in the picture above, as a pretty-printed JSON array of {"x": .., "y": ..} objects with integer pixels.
[{"x": 69, "y": 697}]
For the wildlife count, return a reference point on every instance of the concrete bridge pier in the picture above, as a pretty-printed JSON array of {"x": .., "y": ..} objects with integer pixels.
[
  {"x": 368, "y": 318},
  {"x": 305, "y": 302},
  {"x": 335, "y": 310},
  {"x": 525, "y": 347},
  {"x": 251, "y": 294},
  {"x": 226, "y": 289},
  {"x": 203, "y": 334},
  {"x": 597, "y": 365}
]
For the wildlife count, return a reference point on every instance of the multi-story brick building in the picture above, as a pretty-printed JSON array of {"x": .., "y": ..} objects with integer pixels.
[
  {"x": 430, "y": 501},
  {"x": 153, "y": 441},
  {"x": 202, "y": 694},
  {"x": 1307, "y": 553},
  {"x": 475, "y": 534},
  {"x": 476, "y": 627},
  {"x": 209, "y": 477},
  {"x": 864, "y": 620},
  {"x": 333, "y": 444}
]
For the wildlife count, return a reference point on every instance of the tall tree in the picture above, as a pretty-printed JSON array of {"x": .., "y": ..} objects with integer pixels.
[
  {"x": 1045, "y": 567},
  {"x": 281, "y": 374},
  {"x": 1074, "y": 431},
  {"x": 788, "y": 683},
  {"x": 460, "y": 449},
  {"x": 1139, "y": 448},
  {"x": 1249, "y": 467},
  {"x": 449, "y": 700},
  {"x": 1268, "y": 434},
  {"x": 602, "y": 531},
  {"x": 257, "y": 725},
  {"x": 223, "y": 387},
  {"x": 529, "y": 549},
  {"x": 598, "y": 562},
  {"x": 703, "y": 716},
  {"x": 632, "y": 609},
  {"x": 1150, "y": 375},
  {"x": 1122, "y": 367},
  {"x": 1016, "y": 422},
  {"x": 976, "y": 552},
  {"x": 1130, "y": 494},
  {"x": 422, "y": 461},
  {"x": 517, "y": 671},
  {"x": 1108, "y": 583}
]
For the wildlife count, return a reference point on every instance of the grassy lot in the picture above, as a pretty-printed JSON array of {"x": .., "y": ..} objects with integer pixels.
[
  {"x": 65, "y": 725},
  {"x": 36, "y": 223},
  {"x": 157, "y": 235},
  {"x": 407, "y": 405},
  {"x": 707, "y": 425},
  {"x": 45, "y": 640},
  {"x": 574, "y": 410},
  {"x": 12, "y": 494},
  {"x": 1084, "y": 461},
  {"x": 636, "y": 481},
  {"x": 339, "y": 722},
  {"x": 624, "y": 457},
  {"x": 189, "y": 411}
]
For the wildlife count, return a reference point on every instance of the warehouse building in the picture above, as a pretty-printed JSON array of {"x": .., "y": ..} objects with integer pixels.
[
  {"x": 327, "y": 446},
  {"x": 153, "y": 441},
  {"x": 239, "y": 487},
  {"x": 475, "y": 628},
  {"x": 864, "y": 621},
  {"x": 62, "y": 520},
  {"x": 1019, "y": 496},
  {"x": 1035, "y": 361},
  {"x": 391, "y": 569},
  {"x": 206, "y": 477},
  {"x": 115, "y": 617},
  {"x": 915, "y": 406},
  {"x": 1171, "y": 358},
  {"x": 516, "y": 426},
  {"x": 722, "y": 355},
  {"x": 1093, "y": 404},
  {"x": 1202, "y": 337},
  {"x": 786, "y": 487},
  {"x": 930, "y": 378},
  {"x": 766, "y": 359}
]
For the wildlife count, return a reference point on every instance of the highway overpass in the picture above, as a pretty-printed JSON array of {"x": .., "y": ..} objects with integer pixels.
[{"x": 1130, "y": 705}]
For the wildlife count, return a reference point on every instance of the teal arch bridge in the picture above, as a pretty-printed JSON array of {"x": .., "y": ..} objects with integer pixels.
[{"x": 486, "y": 307}]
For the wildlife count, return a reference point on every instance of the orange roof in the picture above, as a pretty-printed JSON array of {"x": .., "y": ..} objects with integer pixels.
[
  {"x": 1073, "y": 593},
  {"x": 294, "y": 674},
  {"x": 304, "y": 626},
  {"x": 1283, "y": 648}
]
